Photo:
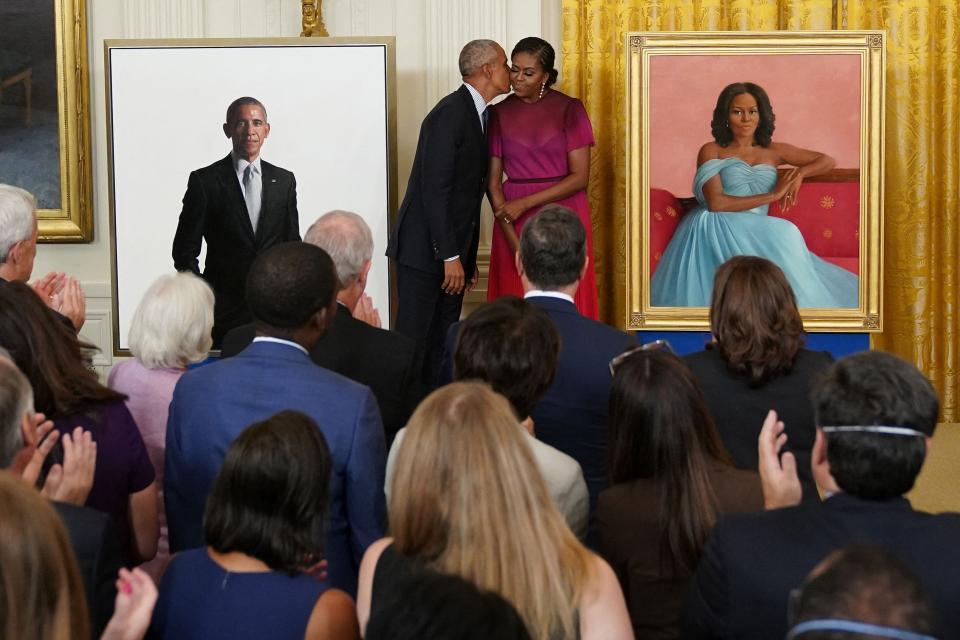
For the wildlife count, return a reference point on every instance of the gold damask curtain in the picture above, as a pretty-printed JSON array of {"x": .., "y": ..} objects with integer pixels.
[{"x": 922, "y": 206}]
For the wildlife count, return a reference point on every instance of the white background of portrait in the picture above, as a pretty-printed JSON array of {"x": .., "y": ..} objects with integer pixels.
[{"x": 328, "y": 111}]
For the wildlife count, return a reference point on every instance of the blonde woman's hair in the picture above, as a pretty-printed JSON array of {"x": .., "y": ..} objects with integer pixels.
[
  {"x": 171, "y": 326},
  {"x": 469, "y": 500},
  {"x": 41, "y": 596}
]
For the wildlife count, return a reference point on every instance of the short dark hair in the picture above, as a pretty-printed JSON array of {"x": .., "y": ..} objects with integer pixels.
[
  {"x": 270, "y": 498},
  {"x": 239, "y": 102},
  {"x": 875, "y": 388},
  {"x": 862, "y": 583},
  {"x": 513, "y": 346},
  {"x": 553, "y": 247},
  {"x": 720, "y": 125},
  {"x": 432, "y": 606},
  {"x": 660, "y": 429},
  {"x": 754, "y": 319},
  {"x": 287, "y": 284},
  {"x": 544, "y": 53}
]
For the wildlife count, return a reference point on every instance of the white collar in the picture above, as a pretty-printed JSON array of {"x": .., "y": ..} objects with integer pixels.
[
  {"x": 289, "y": 343},
  {"x": 536, "y": 293},
  {"x": 478, "y": 102},
  {"x": 240, "y": 164}
]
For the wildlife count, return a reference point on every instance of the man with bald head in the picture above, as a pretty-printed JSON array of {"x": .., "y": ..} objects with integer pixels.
[
  {"x": 383, "y": 360},
  {"x": 434, "y": 244}
]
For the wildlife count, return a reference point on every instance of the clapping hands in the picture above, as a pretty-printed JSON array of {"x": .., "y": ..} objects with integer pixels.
[
  {"x": 68, "y": 482},
  {"x": 136, "y": 597},
  {"x": 778, "y": 473},
  {"x": 64, "y": 295}
]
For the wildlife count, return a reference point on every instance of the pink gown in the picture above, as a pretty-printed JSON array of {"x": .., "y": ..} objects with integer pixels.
[{"x": 533, "y": 141}]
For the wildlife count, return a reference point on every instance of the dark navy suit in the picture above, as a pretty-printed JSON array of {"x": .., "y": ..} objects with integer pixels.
[
  {"x": 752, "y": 561},
  {"x": 213, "y": 404},
  {"x": 572, "y": 415}
]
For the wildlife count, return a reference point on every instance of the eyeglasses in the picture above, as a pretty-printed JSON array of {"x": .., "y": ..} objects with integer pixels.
[{"x": 656, "y": 345}]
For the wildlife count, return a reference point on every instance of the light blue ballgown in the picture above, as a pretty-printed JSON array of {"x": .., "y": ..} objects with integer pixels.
[{"x": 706, "y": 239}]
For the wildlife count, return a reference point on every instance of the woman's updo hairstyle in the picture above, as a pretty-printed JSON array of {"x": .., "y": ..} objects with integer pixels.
[{"x": 544, "y": 53}]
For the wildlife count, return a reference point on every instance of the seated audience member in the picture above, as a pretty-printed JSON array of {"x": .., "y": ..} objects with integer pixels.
[
  {"x": 291, "y": 292},
  {"x": 512, "y": 346},
  {"x": 385, "y": 361},
  {"x": 756, "y": 362},
  {"x": 67, "y": 391},
  {"x": 42, "y": 596},
  {"x": 170, "y": 329},
  {"x": 875, "y": 416},
  {"x": 263, "y": 526},
  {"x": 18, "y": 249},
  {"x": 25, "y": 440},
  {"x": 467, "y": 500},
  {"x": 572, "y": 415},
  {"x": 860, "y": 592},
  {"x": 434, "y": 606},
  {"x": 671, "y": 478}
]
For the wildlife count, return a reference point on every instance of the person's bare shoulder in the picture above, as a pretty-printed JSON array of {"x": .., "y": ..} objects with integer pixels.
[
  {"x": 709, "y": 151},
  {"x": 334, "y": 617}
]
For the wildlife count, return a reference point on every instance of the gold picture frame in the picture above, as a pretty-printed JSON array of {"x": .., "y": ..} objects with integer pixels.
[
  {"x": 72, "y": 221},
  {"x": 744, "y": 55}
]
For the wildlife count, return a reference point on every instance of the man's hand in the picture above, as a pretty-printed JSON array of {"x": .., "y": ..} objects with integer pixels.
[
  {"x": 473, "y": 280},
  {"x": 72, "y": 481},
  {"x": 778, "y": 473},
  {"x": 366, "y": 312},
  {"x": 73, "y": 303},
  {"x": 136, "y": 597},
  {"x": 453, "y": 277}
]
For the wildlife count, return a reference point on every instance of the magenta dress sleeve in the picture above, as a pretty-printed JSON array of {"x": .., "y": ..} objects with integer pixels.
[
  {"x": 493, "y": 134},
  {"x": 577, "y": 127}
]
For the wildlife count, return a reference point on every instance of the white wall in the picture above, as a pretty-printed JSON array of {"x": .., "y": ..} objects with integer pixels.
[{"x": 429, "y": 35}]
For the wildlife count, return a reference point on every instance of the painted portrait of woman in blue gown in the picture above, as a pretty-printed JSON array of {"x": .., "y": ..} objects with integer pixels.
[{"x": 735, "y": 182}]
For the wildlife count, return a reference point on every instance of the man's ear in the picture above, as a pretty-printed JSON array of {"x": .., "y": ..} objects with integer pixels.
[
  {"x": 226, "y": 130},
  {"x": 586, "y": 265},
  {"x": 518, "y": 262},
  {"x": 28, "y": 431},
  {"x": 364, "y": 272}
]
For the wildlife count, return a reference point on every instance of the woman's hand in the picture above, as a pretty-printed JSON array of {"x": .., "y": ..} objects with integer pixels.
[
  {"x": 136, "y": 597},
  {"x": 511, "y": 210},
  {"x": 787, "y": 188}
]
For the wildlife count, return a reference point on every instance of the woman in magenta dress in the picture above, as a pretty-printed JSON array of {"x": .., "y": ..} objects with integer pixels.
[{"x": 541, "y": 139}]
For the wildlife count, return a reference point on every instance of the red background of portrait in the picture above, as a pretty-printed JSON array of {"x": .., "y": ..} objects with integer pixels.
[{"x": 816, "y": 99}]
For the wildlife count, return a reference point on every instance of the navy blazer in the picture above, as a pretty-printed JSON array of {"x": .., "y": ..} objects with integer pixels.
[
  {"x": 211, "y": 405},
  {"x": 440, "y": 214},
  {"x": 752, "y": 561},
  {"x": 572, "y": 415},
  {"x": 214, "y": 210}
]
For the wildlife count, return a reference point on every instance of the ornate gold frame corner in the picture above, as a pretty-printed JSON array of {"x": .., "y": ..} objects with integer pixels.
[
  {"x": 73, "y": 221},
  {"x": 640, "y": 48}
]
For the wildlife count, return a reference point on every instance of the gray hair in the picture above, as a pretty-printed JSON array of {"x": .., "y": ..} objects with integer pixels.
[
  {"x": 171, "y": 326},
  {"x": 16, "y": 400},
  {"x": 347, "y": 238},
  {"x": 17, "y": 217},
  {"x": 475, "y": 54}
]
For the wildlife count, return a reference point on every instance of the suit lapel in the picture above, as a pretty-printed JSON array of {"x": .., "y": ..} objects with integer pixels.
[{"x": 235, "y": 202}]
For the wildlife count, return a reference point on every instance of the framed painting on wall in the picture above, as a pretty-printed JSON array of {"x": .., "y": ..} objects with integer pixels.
[
  {"x": 766, "y": 144},
  {"x": 167, "y": 116},
  {"x": 44, "y": 113}
]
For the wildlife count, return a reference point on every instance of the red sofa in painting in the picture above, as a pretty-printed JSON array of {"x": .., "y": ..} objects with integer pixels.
[{"x": 827, "y": 214}]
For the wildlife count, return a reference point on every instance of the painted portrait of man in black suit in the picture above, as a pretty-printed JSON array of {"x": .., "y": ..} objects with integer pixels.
[{"x": 240, "y": 205}]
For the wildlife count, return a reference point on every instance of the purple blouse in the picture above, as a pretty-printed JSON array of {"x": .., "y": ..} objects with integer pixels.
[{"x": 123, "y": 466}]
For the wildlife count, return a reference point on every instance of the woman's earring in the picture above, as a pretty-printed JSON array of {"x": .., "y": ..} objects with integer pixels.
[{"x": 543, "y": 87}]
